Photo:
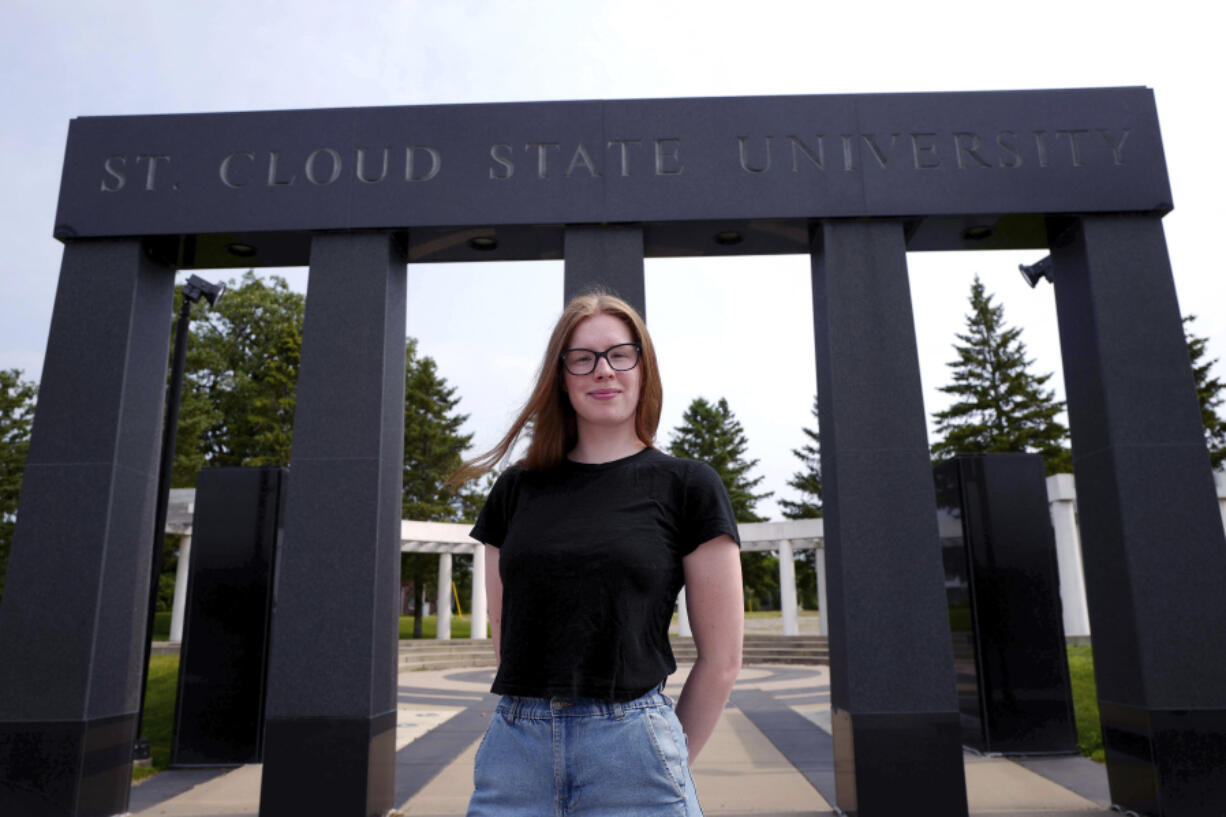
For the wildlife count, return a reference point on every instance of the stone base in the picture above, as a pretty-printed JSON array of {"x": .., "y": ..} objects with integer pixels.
[
  {"x": 887, "y": 764},
  {"x": 1168, "y": 762},
  {"x": 66, "y": 768},
  {"x": 333, "y": 766}
]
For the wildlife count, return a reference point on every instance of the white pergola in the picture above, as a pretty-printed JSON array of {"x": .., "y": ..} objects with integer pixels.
[{"x": 447, "y": 539}]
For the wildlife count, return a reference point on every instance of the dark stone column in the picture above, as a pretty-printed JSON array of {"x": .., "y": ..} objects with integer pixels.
[
  {"x": 609, "y": 257},
  {"x": 1152, "y": 540},
  {"x": 73, "y": 620},
  {"x": 897, "y": 739},
  {"x": 330, "y": 724}
]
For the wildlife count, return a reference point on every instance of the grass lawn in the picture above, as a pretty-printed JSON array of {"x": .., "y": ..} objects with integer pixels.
[
  {"x": 161, "y": 626},
  {"x": 461, "y": 626},
  {"x": 1085, "y": 702},
  {"x": 159, "y": 717},
  {"x": 777, "y": 614}
]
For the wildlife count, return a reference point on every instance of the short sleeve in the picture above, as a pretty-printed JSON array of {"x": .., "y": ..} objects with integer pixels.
[
  {"x": 707, "y": 509},
  {"x": 495, "y": 516}
]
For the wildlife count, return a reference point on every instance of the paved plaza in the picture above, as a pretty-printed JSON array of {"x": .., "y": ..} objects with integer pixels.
[{"x": 770, "y": 756}]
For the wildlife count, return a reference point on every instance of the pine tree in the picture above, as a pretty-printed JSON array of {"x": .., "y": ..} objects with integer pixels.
[
  {"x": 1208, "y": 394},
  {"x": 16, "y": 418},
  {"x": 712, "y": 434},
  {"x": 809, "y": 483},
  {"x": 999, "y": 405},
  {"x": 433, "y": 448}
]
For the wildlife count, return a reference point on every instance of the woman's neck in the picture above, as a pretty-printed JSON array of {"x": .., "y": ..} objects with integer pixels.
[{"x": 604, "y": 447}]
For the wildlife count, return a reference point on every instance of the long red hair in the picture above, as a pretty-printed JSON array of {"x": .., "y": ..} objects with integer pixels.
[{"x": 548, "y": 411}]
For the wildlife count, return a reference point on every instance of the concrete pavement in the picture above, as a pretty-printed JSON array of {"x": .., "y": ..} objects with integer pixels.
[{"x": 771, "y": 756}]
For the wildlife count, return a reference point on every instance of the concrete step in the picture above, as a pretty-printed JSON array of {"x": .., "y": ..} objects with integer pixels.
[{"x": 757, "y": 649}]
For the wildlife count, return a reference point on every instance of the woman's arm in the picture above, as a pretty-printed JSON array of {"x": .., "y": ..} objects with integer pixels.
[
  {"x": 493, "y": 598},
  {"x": 714, "y": 598}
]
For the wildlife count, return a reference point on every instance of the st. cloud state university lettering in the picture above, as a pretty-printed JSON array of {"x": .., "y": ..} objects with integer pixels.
[{"x": 917, "y": 151}]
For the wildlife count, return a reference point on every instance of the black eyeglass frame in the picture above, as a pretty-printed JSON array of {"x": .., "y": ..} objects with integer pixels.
[{"x": 596, "y": 356}]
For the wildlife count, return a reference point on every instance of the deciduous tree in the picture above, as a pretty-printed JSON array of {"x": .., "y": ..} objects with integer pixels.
[
  {"x": 16, "y": 417},
  {"x": 241, "y": 379}
]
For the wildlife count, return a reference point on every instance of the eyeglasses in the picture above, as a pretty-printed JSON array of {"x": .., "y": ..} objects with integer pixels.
[{"x": 622, "y": 358}]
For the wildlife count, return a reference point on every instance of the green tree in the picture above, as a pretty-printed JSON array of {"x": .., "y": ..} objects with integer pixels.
[
  {"x": 240, "y": 379},
  {"x": 808, "y": 482},
  {"x": 239, "y": 395},
  {"x": 433, "y": 448},
  {"x": 711, "y": 433},
  {"x": 999, "y": 404},
  {"x": 16, "y": 418},
  {"x": 1208, "y": 394}
]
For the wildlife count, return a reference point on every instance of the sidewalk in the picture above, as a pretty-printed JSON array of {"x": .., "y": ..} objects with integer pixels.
[{"x": 771, "y": 756}]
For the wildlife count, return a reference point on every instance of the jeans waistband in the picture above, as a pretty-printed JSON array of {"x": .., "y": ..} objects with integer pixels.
[{"x": 515, "y": 707}]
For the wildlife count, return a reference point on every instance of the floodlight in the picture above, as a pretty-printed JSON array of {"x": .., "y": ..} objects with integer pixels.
[
  {"x": 1038, "y": 270},
  {"x": 196, "y": 288}
]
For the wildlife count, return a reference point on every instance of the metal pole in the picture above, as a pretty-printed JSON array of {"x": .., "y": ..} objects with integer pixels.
[{"x": 142, "y": 749}]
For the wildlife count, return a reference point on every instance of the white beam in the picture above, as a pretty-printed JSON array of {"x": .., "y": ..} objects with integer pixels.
[
  {"x": 787, "y": 588},
  {"x": 683, "y": 616},
  {"x": 479, "y": 613},
  {"x": 1062, "y": 505},
  {"x": 444, "y": 597},
  {"x": 823, "y": 622},
  {"x": 178, "y": 607}
]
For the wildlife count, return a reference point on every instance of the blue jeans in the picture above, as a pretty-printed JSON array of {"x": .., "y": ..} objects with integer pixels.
[{"x": 581, "y": 757}]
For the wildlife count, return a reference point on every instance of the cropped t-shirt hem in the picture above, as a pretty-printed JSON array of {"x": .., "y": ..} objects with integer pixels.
[{"x": 587, "y": 693}]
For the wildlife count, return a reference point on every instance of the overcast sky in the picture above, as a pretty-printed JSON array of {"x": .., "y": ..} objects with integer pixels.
[{"x": 735, "y": 328}]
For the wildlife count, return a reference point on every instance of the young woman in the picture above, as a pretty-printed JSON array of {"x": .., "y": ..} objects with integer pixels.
[{"x": 588, "y": 540}]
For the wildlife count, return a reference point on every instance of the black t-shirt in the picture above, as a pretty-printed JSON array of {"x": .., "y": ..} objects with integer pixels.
[{"x": 590, "y": 561}]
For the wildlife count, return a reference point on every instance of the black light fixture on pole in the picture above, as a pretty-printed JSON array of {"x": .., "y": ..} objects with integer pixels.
[
  {"x": 1033, "y": 273},
  {"x": 193, "y": 290}
]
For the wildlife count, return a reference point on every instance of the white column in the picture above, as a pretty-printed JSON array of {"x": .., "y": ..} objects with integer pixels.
[
  {"x": 823, "y": 623},
  {"x": 1062, "y": 498},
  {"x": 683, "y": 617},
  {"x": 178, "y": 608},
  {"x": 479, "y": 614},
  {"x": 1219, "y": 477},
  {"x": 444, "y": 597},
  {"x": 787, "y": 588}
]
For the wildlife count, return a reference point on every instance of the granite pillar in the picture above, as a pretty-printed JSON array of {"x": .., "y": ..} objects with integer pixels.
[
  {"x": 331, "y": 708},
  {"x": 72, "y": 625},
  {"x": 1153, "y": 548},
  {"x": 610, "y": 257},
  {"x": 897, "y": 738}
]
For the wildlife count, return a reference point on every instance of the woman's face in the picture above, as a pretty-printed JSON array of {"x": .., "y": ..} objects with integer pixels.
[{"x": 605, "y": 398}]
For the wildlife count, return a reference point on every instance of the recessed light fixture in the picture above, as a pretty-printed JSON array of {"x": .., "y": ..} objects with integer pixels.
[
  {"x": 484, "y": 243},
  {"x": 239, "y": 250},
  {"x": 727, "y": 238},
  {"x": 977, "y": 232}
]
